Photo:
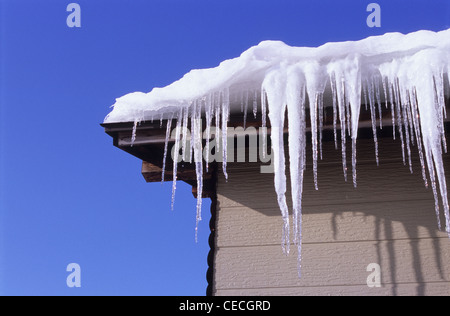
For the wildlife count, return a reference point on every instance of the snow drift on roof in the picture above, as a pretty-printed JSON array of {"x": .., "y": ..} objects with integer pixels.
[{"x": 249, "y": 70}]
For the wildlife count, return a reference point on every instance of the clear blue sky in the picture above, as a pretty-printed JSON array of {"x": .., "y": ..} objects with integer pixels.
[{"x": 66, "y": 194}]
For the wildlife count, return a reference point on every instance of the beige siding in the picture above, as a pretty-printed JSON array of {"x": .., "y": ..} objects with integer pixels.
[{"x": 388, "y": 219}]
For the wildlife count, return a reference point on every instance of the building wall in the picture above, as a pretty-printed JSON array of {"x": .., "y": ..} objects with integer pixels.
[{"x": 389, "y": 219}]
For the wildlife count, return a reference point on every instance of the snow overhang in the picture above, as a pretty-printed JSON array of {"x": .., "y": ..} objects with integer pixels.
[{"x": 373, "y": 59}]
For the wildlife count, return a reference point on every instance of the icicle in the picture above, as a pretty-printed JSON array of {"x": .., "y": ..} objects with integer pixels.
[
  {"x": 263, "y": 120},
  {"x": 396, "y": 102},
  {"x": 347, "y": 85},
  {"x": 338, "y": 81},
  {"x": 246, "y": 109},
  {"x": 438, "y": 80},
  {"x": 432, "y": 173},
  {"x": 341, "y": 101},
  {"x": 274, "y": 86},
  {"x": 295, "y": 97},
  {"x": 208, "y": 114},
  {"x": 166, "y": 144},
  {"x": 353, "y": 88},
  {"x": 133, "y": 133},
  {"x": 365, "y": 89},
  {"x": 334, "y": 96},
  {"x": 321, "y": 118},
  {"x": 185, "y": 131},
  {"x": 385, "y": 82},
  {"x": 193, "y": 107},
  {"x": 315, "y": 86},
  {"x": 217, "y": 111},
  {"x": 176, "y": 151},
  {"x": 415, "y": 117},
  {"x": 370, "y": 92},
  {"x": 198, "y": 155},
  {"x": 405, "y": 123},
  {"x": 431, "y": 134},
  {"x": 225, "y": 116},
  {"x": 406, "y": 106},
  {"x": 378, "y": 100},
  {"x": 313, "y": 105},
  {"x": 255, "y": 104}
]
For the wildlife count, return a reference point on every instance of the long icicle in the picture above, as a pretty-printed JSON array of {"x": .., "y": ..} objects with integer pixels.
[
  {"x": 176, "y": 152},
  {"x": 225, "y": 117},
  {"x": 166, "y": 145},
  {"x": 274, "y": 86},
  {"x": 196, "y": 123},
  {"x": 208, "y": 113},
  {"x": 295, "y": 97}
]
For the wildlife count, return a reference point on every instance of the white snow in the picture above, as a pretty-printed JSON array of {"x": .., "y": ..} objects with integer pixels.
[{"x": 409, "y": 74}]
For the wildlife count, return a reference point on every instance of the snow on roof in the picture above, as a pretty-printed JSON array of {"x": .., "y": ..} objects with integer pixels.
[
  {"x": 248, "y": 71},
  {"x": 409, "y": 74}
]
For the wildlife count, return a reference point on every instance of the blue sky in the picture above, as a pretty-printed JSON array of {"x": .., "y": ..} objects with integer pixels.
[{"x": 66, "y": 194}]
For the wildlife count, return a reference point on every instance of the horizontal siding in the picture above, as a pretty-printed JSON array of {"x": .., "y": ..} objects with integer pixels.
[
  {"x": 374, "y": 184},
  {"x": 334, "y": 264},
  {"x": 388, "y": 219},
  {"x": 406, "y": 289},
  {"x": 337, "y": 223}
]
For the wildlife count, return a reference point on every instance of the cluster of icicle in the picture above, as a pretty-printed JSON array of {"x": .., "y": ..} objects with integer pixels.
[
  {"x": 410, "y": 83},
  {"x": 414, "y": 96},
  {"x": 412, "y": 87}
]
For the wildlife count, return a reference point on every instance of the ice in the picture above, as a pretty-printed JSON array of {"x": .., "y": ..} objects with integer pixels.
[
  {"x": 208, "y": 113},
  {"x": 321, "y": 114},
  {"x": 296, "y": 99},
  {"x": 255, "y": 104},
  {"x": 402, "y": 101},
  {"x": 217, "y": 108},
  {"x": 225, "y": 116},
  {"x": 415, "y": 115},
  {"x": 378, "y": 99},
  {"x": 185, "y": 131},
  {"x": 337, "y": 83},
  {"x": 196, "y": 123},
  {"x": 315, "y": 77},
  {"x": 263, "y": 121},
  {"x": 334, "y": 95},
  {"x": 274, "y": 86},
  {"x": 246, "y": 108},
  {"x": 180, "y": 118},
  {"x": 166, "y": 145},
  {"x": 408, "y": 74},
  {"x": 370, "y": 93},
  {"x": 133, "y": 133}
]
